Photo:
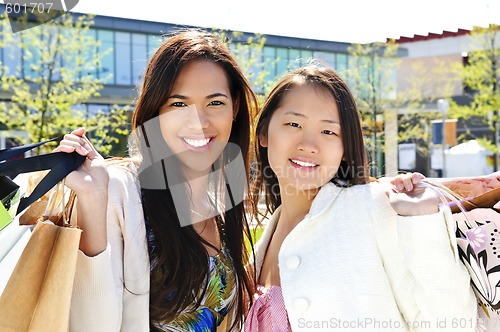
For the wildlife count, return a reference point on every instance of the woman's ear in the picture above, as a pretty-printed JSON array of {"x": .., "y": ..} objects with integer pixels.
[{"x": 263, "y": 140}]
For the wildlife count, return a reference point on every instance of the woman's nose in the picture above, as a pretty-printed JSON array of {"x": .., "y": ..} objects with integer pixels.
[{"x": 197, "y": 118}]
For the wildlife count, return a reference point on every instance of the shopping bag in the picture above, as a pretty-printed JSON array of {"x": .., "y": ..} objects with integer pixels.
[
  {"x": 9, "y": 197},
  {"x": 13, "y": 240},
  {"x": 478, "y": 240},
  {"x": 59, "y": 164},
  {"x": 41, "y": 210},
  {"x": 37, "y": 296},
  {"x": 478, "y": 243}
]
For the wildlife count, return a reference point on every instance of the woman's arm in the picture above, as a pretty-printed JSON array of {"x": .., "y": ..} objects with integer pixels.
[
  {"x": 90, "y": 184},
  {"x": 96, "y": 299},
  {"x": 430, "y": 283},
  {"x": 111, "y": 291}
]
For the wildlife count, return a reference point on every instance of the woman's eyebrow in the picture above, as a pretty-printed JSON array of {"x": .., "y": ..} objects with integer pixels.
[
  {"x": 217, "y": 94},
  {"x": 304, "y": 116},
  {"x": 177, "y": 96},
  {"x": 295, "y": 114},
  {"x": 331, "y": 121},
  {"x": 213, "y": 95}
]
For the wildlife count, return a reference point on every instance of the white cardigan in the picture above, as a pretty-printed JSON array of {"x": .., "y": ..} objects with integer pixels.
[
  {"x": 111, "y": 290},
  {"x": 353, "y": 264}
]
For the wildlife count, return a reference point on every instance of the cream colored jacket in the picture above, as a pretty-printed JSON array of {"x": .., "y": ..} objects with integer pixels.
[
  {"x": 111, "y": 290},
  {"x": 353, "y": 264}
]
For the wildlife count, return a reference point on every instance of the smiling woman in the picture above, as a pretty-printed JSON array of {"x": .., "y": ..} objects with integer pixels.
[
  {"x": 384, "y": 251},
  {"x": 310, "y": 125},
  {"x": 197, "y": 117},
  {"x": 164, "y": 240}
]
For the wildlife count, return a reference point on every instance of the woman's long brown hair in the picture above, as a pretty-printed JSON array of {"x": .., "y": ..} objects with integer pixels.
[{"x": 179, "y": 259}]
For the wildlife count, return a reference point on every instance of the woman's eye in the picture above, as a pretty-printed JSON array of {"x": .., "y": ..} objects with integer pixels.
[
  {"x": 328, "y": 132},
  {"x": 178, "y": 104},
  {"x": 216, "y": 103},
  {"x": 293, "y": 124}
]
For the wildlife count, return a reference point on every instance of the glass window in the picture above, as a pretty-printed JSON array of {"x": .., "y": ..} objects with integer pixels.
[
  {"x": 281, "y": 61},
  {"x": 293, "y": 59},
  {"x": 123, "y": 58},
  {"x": 326, "y": 58},
  {"x": 1, "y": 44},
  {"x": 31, "y": 57},
  {"x": 360, "y": 67},
  {"x": 107, "y": 69},
  {"x": 154, "y": 42},
  {"x": 71, "y": 61},
  {"x": 305, "y": 57},
  {"x": 13, "y": 56},
  {"x": 139, "y": 56},
  {"x": 257, "y": 65},
  {"x": 89, "y": 54},
  {"x": 270, "y": 62},
  {"x": 341, "y": 64},
  {"x": 94, "y": 109}
]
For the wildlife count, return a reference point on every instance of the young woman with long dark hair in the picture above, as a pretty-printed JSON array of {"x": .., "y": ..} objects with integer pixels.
[{"x": 163, "y": 242}]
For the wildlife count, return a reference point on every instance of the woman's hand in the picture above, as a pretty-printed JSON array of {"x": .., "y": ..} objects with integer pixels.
[
  {"x": 90, "y": 183},
  {"x": 409, "y": 198},
  {"x": 92, "y": 176}
]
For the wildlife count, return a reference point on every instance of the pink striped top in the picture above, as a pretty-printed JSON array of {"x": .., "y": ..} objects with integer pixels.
[{"x": 268, "y": 312}]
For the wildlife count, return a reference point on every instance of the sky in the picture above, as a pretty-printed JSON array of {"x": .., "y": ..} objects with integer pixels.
[{"x": 353, "y": 21}]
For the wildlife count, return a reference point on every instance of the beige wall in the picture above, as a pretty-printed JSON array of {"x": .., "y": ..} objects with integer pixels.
[{"x": 431, "y": 76}]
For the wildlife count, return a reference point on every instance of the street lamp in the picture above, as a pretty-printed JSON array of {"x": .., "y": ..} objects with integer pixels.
[{"x": 443, "y": 105}]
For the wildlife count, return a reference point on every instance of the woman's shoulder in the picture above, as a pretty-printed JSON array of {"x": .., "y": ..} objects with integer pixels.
[
  {"x": 371, "y": 193},
  {"x": 122, "y": 171}
]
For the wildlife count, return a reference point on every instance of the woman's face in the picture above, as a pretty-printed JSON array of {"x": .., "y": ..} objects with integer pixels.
[
  {"x": 304, "y": 139},
  {"x": 197, "y": 118}
]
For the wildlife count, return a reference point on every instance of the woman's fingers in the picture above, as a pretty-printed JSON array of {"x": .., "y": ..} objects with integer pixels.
[
  {"x": 72, "y": 143},
  {"x": 84, "y": 141},
  {"x": 93, "y": 154},
  {"x": 406, "y": 181},
  {"x": 77, "y": 141},
  {"x": 78, "y": 132}
]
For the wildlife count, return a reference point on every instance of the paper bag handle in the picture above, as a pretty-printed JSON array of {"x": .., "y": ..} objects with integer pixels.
[{"x": 59, "y": 163}]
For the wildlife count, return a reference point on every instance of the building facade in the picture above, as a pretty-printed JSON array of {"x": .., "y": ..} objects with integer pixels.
[{"x": 130, "y": 43}]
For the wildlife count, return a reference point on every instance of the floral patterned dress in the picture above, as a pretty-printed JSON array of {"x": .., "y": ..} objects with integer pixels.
[{"x": 218, "y": 300}]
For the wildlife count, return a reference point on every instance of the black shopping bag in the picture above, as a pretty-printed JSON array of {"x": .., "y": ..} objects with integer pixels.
[
  {"x": 9, "y": 197},
  {"x": 60, "y": 164}
]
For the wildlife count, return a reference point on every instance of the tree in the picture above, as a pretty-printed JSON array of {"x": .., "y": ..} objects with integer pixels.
[
  {"x": 372, "y": 80},
  {"x": 249, "y": 53},
  {"x": 480, "y": 76},
  {"x": 48, "y": 71},
  {"x": 423, "y": 82}
]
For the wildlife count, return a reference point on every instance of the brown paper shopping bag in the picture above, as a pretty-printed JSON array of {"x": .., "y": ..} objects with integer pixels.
[{"x": 37, "y": 296}]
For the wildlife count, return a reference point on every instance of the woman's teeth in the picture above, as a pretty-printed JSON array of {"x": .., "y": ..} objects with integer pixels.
[
  {"x": 197, "y": 142},
  {"x": 303, "y": 163}
]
